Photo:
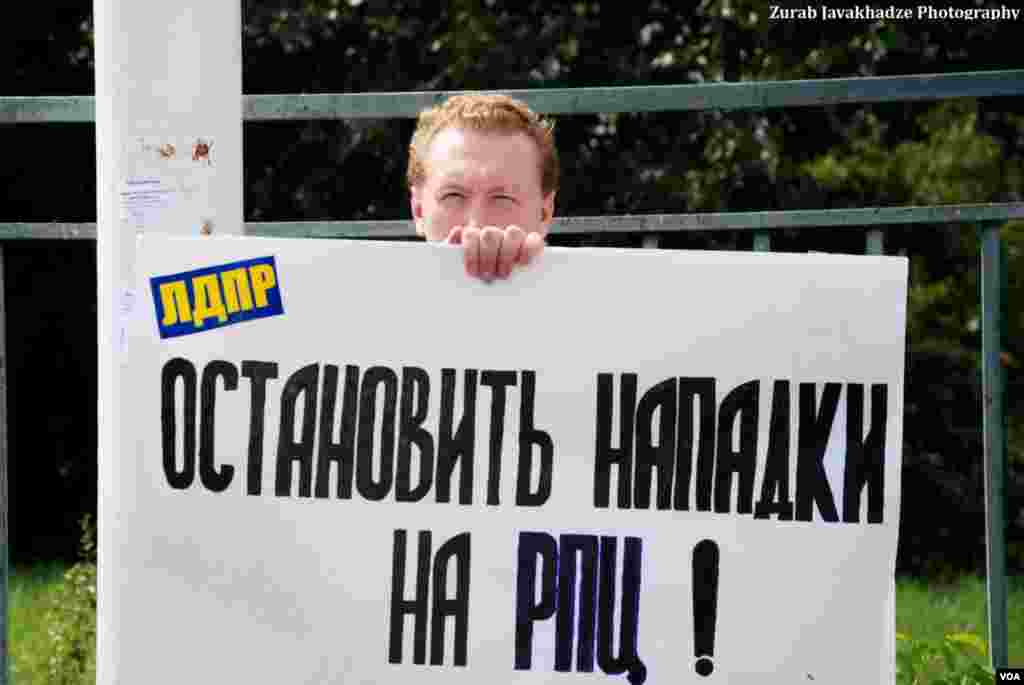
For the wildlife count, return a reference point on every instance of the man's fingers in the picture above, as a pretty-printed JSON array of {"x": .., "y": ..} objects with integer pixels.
[
  {"x": 508, "y": 253},
  {"x": 490, "y": 244},
  {"x": 471, "y": 251},
  {"x": 533, "y": 245},
  {"x": 493, "y": 252}
]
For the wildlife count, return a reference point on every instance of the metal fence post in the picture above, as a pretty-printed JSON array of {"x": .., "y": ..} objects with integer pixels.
[
  {"x": 762, "y": 241},
  {"x": 875, "y": 242},
  {"x": 4, "y": 532},
  {"x": 993, "y": 285}
]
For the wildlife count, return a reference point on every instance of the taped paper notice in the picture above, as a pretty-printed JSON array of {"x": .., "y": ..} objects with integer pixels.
[
  {"x": 166, "y": 182},
  {"x": 124, "y": 316},
  {"x": 143, "y": 198}
]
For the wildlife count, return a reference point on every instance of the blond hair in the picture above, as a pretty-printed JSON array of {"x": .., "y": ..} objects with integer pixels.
[{"x": 498, "y": 113}]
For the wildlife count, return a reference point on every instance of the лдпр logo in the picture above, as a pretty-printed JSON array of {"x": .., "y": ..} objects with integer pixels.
[{"x": 216, "y": 296}]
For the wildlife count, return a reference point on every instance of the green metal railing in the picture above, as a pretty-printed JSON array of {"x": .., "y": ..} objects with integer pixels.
[
  {"x": 625, "y": 99},
  {"x": 720, "y": 96}
]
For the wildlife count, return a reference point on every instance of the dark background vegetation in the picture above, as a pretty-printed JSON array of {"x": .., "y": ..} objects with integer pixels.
[{"x": 814, "y": 157}]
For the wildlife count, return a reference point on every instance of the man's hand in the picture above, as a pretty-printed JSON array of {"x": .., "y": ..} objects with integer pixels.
[{"x": 491, "y": 252}]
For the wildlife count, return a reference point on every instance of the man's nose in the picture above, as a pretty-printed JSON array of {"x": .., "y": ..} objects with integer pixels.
[{"x": 476, "y": 215}]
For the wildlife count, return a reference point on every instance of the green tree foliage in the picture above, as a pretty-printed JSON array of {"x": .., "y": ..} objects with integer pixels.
[
  {"x": 71, "y": 618},
  {"x": 828, "y": 156},
  {"x": 796, "y": 158},
  {"x": 958, "y": 659},
  {"x": 951, "y": 161},
  {"x": 950, "y": 158}
]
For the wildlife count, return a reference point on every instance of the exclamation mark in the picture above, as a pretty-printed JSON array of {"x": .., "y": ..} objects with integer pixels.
[{"x": 705, "y": 605}]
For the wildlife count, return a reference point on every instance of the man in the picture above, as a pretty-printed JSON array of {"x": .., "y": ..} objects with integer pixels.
[{"x": 483, "y": 172}]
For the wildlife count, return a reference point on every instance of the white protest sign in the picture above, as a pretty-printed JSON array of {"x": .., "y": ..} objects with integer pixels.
[{"x": 353, "y": 463}]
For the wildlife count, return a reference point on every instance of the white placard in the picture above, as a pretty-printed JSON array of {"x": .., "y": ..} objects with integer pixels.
[{"x": 318, "y": 410}]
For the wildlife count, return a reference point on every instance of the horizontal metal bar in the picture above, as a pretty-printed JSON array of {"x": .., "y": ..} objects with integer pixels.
[
  {"x": 330, "y": 229},
  {"x": 803, "y": 218},
  {"x": 47, "y": 231},
  {"x": 625, "y": 99},
  {"x": 853, "y": 218},
  {"x": 612, "y": 99},
  {"x": 47, "y": 109}
]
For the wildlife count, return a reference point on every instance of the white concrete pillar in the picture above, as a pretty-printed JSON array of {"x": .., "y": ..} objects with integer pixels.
[{"x": 168, "y": 160}]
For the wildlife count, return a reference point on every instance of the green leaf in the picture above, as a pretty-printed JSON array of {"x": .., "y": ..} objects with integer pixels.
[{"x": 969, "y": 640}]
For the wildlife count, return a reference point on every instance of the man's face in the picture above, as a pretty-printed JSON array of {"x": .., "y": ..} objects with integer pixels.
[{"x": 478, "y": 179}]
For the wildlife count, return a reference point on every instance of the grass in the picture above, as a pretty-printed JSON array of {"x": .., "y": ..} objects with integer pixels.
[
  {"x": 925, "y": 611},
  {"x": 29, "y": 589},
  {"x": 929, "y": 611}
]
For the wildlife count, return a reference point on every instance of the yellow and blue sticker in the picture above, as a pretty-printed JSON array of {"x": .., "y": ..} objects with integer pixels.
[{"x": 216, "y": 296}]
